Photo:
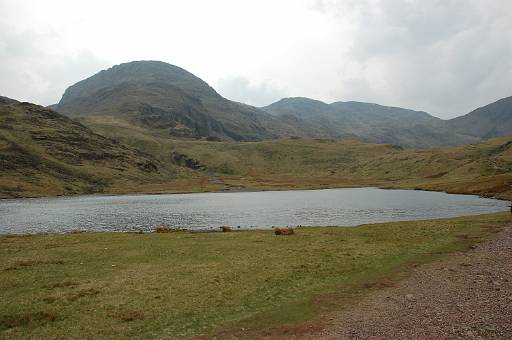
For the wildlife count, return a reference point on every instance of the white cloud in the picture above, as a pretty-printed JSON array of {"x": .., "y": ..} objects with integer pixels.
[
  {"x": 242, "y": 90},
  {"x": 31, "y": 71}
]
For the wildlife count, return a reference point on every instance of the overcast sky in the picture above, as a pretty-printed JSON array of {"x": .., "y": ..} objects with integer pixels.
[{"x": 446, "y": 57}]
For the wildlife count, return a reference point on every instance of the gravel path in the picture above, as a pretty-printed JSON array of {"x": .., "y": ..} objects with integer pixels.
[{"x": 464, "y": 295}]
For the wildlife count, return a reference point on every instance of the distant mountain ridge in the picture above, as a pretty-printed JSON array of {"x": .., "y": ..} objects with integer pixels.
[
  {"x": 369, "y": 122},
  {"x": 489, "y": 121},
  {"x": 167, "y": 101}
]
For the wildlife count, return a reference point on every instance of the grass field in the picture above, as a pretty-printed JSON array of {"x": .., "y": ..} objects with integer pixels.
[{"x": 113, "y": 285}]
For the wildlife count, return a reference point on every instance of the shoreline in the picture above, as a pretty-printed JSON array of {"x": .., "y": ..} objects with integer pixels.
[
  {"x": 199, "y": 192},
  {"x": 249, "y": 190},
  {"x": 217, "y": 230}
]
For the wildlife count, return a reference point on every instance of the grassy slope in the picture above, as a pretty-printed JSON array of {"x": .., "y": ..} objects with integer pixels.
[
  {"x": 484, "y": 168},
  {"x": 43, "y": 153},
  {"x": 113, "y": 285}
]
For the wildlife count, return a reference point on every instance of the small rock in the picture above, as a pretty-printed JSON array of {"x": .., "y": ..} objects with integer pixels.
[
  {"x": 409, "y": 297},
  {"x": 113, "y": 265}
]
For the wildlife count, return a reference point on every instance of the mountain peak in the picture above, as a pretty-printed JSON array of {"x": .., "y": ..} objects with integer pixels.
[
  {"x": 167, "y": 100},
  {"x": 150, "y": 69},
  {"x": 296, "y": 106},
  {"x": 301, "y": 100},
  {"x": 142, "y": 71}
]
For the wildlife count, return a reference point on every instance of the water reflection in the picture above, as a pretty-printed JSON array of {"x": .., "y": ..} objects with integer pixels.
[{"x": 346, "y": 207}]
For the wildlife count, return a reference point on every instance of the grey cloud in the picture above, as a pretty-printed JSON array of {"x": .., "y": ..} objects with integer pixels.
[
  {"x": 33, "y": 72},
  {"x": 240, "y": 89},
  {"x": 446, "y": 57}
]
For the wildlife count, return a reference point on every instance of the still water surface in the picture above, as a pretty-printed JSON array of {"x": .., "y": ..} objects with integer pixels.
[{"x": 344, "y": 207}]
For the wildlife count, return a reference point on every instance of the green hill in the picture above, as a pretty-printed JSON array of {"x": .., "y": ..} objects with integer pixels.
[
  {"x": 484, "y": 168},
  {"x": 43, "y": 153}
]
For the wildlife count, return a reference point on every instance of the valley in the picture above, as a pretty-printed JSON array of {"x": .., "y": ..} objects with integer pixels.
[
  {"x": 190, "y": 165},
  {"x": 277, "y": 170},
  {"x": 194, "y": 140}
]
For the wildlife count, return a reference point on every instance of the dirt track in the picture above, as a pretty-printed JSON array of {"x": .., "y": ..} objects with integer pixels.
[{"x": 464, "y": 295}]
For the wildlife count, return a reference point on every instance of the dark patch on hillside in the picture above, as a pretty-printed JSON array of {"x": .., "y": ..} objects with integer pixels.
[
  {"x": 184, "y": 160},
  {"x": 43, "y": 150}
]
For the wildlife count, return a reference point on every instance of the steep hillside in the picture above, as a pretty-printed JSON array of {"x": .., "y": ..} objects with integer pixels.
[
  {"x": 367, "y": 122},
  {"x": 167, "y": 101},
  {"x": 45, "y": 153},
  {"x": 493, "y": 120}
]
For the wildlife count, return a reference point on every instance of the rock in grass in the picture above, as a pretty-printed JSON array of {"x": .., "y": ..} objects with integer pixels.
[
  {"x": 165, "y": 230},
  {"x": 284, "y": 231}
]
